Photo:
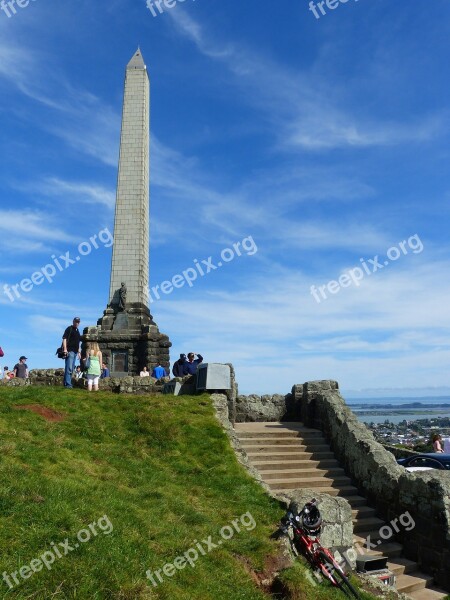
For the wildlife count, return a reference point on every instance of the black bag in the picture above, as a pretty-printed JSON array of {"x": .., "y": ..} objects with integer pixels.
[{"x": 60, "y": 351}]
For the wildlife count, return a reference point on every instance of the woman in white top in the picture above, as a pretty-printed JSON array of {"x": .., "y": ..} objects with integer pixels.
[{"x": 144, "y": 372}]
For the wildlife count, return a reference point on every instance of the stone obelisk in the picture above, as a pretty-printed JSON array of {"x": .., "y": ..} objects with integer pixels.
[
  {"x": 130, "y": 259},
  {"x": 127, "y": 335}
]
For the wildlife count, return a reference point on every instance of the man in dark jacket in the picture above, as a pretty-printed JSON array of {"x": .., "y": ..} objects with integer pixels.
[
  {"x": 190, "y": 367},
  {"x": 71, "y": 347},
  {"x": 178, "y": 367}
]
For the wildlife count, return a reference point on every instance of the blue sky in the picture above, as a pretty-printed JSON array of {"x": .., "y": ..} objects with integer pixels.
[{"x": 324, "y": 140}]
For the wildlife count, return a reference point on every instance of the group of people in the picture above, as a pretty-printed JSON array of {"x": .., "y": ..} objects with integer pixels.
[
  {"x": 187, "y": 365},
  {"x": 441, "y": 445},
  {"x": 158, "y": 372},
  {"x": 96, "y": 369},
  {"x": 20, "y": 370}
]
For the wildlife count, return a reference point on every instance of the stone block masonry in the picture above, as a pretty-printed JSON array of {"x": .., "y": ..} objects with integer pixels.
[
  {"x": 127, "y": 335},
  {"x": 130, "y": 260}
]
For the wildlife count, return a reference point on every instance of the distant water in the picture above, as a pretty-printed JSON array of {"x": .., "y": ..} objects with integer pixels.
[{"x": 377, "y": 410}]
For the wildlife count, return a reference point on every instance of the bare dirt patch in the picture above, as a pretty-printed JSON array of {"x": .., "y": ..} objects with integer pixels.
[
  {"x": 48, "y": 413},
  {"x": 267, "y": 578}
]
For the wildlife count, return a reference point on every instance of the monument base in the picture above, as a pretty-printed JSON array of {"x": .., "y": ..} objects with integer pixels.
[{"x": 129, "y": 340}]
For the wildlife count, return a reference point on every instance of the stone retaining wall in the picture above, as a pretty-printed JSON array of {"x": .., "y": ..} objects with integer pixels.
[
  {"x": 129, "y": 385},
  {"x": 388, "y": 486},
  {"x": 266, "y": 408}
]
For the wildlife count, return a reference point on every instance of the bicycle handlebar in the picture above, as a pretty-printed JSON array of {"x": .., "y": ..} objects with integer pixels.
[{"x": 293, "y": 515}]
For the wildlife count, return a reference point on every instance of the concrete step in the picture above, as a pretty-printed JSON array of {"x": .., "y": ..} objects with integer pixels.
[
  {"x": 298, "y": 447},
  {"x": 428, "y": 594},
  {"x": 286, "y": 441},
  {"x": 372, "y": 534},
  {"x": 302, "y": 473},
  {"x": 332, "y": 491},
  {"x": 302, "y": 455},
  {"x": 311, "y": 482},
  {"x": 367, "y": 524},
  {"x": 248, "y": 435},
  {"x": 356, "y": 501},
  {"x": 268, "y": 464},
  {"x": 412, "y": 582},
  {"x": 363, "y": 512},
  {"x": 391, "y": 550},
  {"x": 273, "y": 427},
  {"x": 400, "y": 566}
]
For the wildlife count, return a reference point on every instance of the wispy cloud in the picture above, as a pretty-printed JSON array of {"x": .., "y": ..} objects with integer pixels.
[
  {"x": 389, "y": 327},
  {"x": 302, "y": 108},
  {"x": 31, "y": 233},
  {"x": 88, "y": 193}
]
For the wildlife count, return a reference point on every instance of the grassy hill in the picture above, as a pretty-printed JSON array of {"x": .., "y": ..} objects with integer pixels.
[{"x": 115, "y": 486}]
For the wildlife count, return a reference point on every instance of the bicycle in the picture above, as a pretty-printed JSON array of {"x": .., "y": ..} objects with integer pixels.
[{"x": 303, "y": 529}]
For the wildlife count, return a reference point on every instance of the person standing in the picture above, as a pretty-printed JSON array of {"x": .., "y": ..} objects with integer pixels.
[
  {"x": 21, "y": 368},
  {"x": 437, "y": 443},
  {"x": 144, "y": 373},
  {"x": 190, "y": 368},
  {"x": 159, "y": 371},
  {"x": 94, "y": 370},
  {"x": 178, "y": 367},
  {"x": 71, "y": 347}
]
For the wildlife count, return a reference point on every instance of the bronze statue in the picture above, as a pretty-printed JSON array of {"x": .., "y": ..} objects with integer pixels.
[{"x": 123, "y": 296}]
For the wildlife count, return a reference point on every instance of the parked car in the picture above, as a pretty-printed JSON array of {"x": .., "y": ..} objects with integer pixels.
[{"x": 427, "y": 461}]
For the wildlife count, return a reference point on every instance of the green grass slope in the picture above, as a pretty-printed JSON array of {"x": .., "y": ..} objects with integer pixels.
[{"x": 120, "y": 486}]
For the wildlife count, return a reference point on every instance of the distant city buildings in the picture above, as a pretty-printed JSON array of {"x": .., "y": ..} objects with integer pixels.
[{"x": 410, "y": 433}]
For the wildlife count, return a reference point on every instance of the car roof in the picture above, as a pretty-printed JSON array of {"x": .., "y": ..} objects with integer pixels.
[{"x": 436, "y": 455}]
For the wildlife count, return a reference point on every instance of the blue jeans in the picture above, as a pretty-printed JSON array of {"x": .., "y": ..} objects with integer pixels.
[{"x": 70, "y": 366}]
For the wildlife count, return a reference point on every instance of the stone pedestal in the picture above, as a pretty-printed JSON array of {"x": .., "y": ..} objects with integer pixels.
[{"x": 128, "y": 342}]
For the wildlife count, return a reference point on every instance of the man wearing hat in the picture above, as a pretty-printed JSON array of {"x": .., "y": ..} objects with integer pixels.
[
  {"x": 21, "y": 369},
  {"x": 178, "y": 367},
  {"x": 71, "y": 347}
]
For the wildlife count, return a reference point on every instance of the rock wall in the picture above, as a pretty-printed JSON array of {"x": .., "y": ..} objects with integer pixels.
[
  {"x": 424, "y": 496},
  {"x": 266, "y": 408},
  {"x": 129, "y": 385}
]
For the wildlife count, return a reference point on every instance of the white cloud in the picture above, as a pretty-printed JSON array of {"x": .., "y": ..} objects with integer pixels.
[
  {"x": 29, "y": 234},
  {"x": 88, "y": 193},
  {"x": 302, "y": 108},
  {"x": 393, "y": 329}
]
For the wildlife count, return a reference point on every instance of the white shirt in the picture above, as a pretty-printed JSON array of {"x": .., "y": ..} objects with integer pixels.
[{"x": 145, "y": 374}]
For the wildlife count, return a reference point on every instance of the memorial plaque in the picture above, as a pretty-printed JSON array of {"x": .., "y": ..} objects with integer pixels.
[
  {"x": 120, "y": 361},
  {"x": 213, "y": 376},
  {"x": 121, "y": 322}
]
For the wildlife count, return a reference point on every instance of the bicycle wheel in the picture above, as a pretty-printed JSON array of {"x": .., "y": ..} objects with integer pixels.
[
  {"x": 335, "y": 575},
  {"x": 346, "y": 582}
]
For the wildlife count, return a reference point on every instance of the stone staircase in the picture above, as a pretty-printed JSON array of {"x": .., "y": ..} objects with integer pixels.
[{"x": 289, "y": 455}]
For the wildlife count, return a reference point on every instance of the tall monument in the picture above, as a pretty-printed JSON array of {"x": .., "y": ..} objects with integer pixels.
[{"x": 127, "y": 335}]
